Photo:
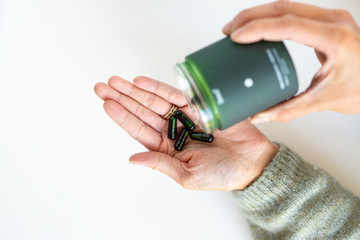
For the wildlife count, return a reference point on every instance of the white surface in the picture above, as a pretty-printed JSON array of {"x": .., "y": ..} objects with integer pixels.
[{"x": 64, "y": 171}]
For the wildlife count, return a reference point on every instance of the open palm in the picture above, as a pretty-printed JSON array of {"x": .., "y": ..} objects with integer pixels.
[{"x": 233, "y": 160}]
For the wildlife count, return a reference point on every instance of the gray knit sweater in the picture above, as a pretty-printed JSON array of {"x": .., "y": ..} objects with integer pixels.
[{"x": 294, "y": 200}]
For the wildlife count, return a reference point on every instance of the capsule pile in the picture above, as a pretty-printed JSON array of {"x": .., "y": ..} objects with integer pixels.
[{"x": 185, "y": 131}]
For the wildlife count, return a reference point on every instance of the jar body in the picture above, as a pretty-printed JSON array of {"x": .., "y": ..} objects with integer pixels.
[{"x": 227, "y": 82}]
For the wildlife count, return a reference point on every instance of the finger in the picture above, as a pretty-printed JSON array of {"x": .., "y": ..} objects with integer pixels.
[
  {"x": 279, "y": 8},
  {"x": 289, "y": 110},
  {"x": 321, "y": 57},
  {"x": 136, "y": 128},
  {"x": 105, "y": 92},
  {"x": 325, "y": 37},
  {"x": 151, "y": 118},
  {"x": 149, "y": 100},
  {"x": 162, "y": 162},
  {"x": 167, "y": 92}
]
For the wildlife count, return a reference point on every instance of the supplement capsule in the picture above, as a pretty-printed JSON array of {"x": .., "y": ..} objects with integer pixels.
[
  {"x": 172, "y": 128},
  {"x": 180, "y": 142},
  {"x": 185, "y": 120},
  {"x": 203, "y": 137}
]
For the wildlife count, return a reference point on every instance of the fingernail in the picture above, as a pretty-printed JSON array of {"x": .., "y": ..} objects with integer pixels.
[
  {"x": 237, "y": 32},
  {"x": 259, "y": 120},
  {"x": 227, "y": 27},
  {"x": 137, "y": 161}
]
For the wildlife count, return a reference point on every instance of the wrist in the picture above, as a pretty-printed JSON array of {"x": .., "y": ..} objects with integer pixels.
[{"x": 264, "y": 157}]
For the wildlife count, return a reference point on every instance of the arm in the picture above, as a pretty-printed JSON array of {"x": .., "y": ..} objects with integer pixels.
[{"x": 294, "y": 200}]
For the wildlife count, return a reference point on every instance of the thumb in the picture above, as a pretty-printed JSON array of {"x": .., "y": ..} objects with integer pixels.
[
  {"x": 289, "y": 110},
  {"x": 162, "y": 162}
]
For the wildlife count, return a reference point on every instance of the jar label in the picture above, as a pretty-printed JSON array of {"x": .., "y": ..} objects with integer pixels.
[{"x": 280, "y": 67}]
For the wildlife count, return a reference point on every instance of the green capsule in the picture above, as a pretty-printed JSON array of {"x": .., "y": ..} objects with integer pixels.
[
  {"x": 180, "y": 142},
  {"x": 185, "y": 120},
  {"x": 172, "y": 128},
  {"x": 203, "y": 137}
]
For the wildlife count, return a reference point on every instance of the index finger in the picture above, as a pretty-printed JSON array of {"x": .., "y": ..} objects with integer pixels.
[
  {"x": 325, "y": 37},
  {"x": 279, "y": 8}
]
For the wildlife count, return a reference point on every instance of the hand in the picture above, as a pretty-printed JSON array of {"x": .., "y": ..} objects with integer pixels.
[
  {"x": 336, "y": 39},
  {"x": 235, "y": 158}
]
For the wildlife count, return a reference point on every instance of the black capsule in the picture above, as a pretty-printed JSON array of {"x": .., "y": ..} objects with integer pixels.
[
  {"x": 180, "y": 142},
  {"x": 185, "y": 120},
  {"x": 203, "y": 137},
  {"x": 172, "y": 128}
]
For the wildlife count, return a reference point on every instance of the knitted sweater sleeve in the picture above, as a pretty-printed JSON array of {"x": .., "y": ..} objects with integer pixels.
[{"x": 294, "y": 200}]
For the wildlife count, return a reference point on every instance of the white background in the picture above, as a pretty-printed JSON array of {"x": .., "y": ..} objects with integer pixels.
[{"x": 64, "y": 171}]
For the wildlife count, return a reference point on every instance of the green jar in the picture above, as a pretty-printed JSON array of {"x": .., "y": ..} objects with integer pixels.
[{"x": 226, "y": 82}]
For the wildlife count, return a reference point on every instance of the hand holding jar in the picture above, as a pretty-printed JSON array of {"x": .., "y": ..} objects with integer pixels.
[{"x": 336, "y": 39}]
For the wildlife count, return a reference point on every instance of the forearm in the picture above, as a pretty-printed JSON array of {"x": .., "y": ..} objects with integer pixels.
[{"x": 293, "y": 199}]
